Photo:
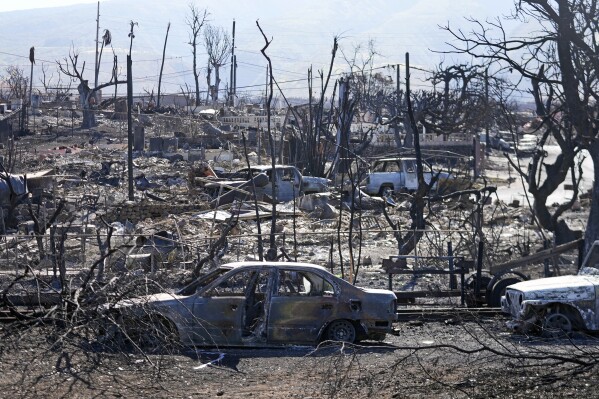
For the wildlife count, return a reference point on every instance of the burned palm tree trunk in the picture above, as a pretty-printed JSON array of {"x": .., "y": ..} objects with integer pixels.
[
  {"x": 259, "y": 224},
  {"x": 346, "y": 115},
  {"x": 168, "y": 27}
]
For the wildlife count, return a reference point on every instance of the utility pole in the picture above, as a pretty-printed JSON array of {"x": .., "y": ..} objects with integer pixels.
[
  {"x": 235, "y": 77},
  {"x": 397, "y": 111},
  {"x": 130, "y": 128},
  {"x": 410, "y": 139},
  {"x": 487, "y": 139},
  {"x": 232, "y": 74},
  {"x": 129, "y": 116},
  {"x": 97, "y": 40},
  {"x": 32, "y": 60}
]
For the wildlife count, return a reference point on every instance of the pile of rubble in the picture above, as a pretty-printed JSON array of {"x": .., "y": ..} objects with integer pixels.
[{"x": 88, "y": 172}]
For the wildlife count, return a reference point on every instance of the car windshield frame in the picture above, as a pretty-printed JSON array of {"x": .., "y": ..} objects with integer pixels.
[{"x": 202, "y": 282}]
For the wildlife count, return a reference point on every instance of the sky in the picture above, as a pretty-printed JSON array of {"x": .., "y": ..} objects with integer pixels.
[
  {"x": 7, "y": 5},
  {"x": 302, "y": 36}
]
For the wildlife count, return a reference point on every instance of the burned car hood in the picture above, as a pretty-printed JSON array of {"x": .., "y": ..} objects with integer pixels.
[
  {"x": 153, "y": 300},
  {"x": 563, "y": 287},
  {"x": 376, "y": 291}
]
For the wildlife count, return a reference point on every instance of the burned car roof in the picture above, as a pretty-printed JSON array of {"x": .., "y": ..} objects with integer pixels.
[{"x": 235, "y": 265}]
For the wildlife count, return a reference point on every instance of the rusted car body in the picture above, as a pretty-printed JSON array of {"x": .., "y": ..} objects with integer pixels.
[
  {"x": 557, "y": 304},
  {"x": 269, "y": 303}
]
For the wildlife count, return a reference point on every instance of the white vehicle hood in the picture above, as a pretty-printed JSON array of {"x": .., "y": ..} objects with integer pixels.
[
  {"x": 155, "y": 299},
  {"x": 377, "y": 291},
  {"x": 563, "y": 287}
]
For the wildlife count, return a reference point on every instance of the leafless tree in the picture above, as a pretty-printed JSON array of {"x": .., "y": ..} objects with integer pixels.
[
  {"x": 310, "y": 138},
  {"x": 361, "y": 64},
  {"x": 50, "y": 84},
  {"x": 458, "y": 105},
  {"x": 561, "y": 65},
  {"x": 16, "y": 81},
  {"x": 195, "y": 21},
  {"x": 272, "y": 251},
  {"x": 70, "y": 67},
  {"x": 218, "y": 47}
]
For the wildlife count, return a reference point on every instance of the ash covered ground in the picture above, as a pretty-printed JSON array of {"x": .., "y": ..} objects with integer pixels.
[{"x": 88, "y": 197}]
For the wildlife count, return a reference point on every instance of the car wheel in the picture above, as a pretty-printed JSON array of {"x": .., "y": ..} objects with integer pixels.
[
  {"x": 385, "y": 191},
  {"x": 341, "y": 330},
  {"x": 556, "y": 325},
  {"x": 498, "y": 290},
  {"x": 471, "y": 300}
]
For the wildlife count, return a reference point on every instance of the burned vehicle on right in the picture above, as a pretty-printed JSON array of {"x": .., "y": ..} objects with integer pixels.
[{"x": 555, "y": 306}]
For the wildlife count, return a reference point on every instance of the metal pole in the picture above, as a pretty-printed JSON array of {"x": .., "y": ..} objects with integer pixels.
[
  {"x": 97, "y": 40},
  {"x": 232, "y": 74},
  {"x": 32, "y": 60},
  {"x": 452, "y": 280},
  {"x": 479, "y": 268},
  {"x": 487, "y": 139},
  {"x": 130, "y": 128}
]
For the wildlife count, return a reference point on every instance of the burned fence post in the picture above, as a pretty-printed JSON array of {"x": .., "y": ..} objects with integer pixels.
[
  {"x": 479, "y": 268},
  {"x": 452, "y": 278},
  {"x": 139, "y": 138}
]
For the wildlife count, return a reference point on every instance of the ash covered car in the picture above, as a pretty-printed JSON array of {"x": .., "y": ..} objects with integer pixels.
[
  {"x": 260, "y": 304},
  {"x": 557, "y": 305}
]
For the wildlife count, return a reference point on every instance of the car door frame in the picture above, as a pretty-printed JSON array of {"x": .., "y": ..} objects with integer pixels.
[
  {"x": 219, "y": 320},
  {"x": 299, "y": 319}
]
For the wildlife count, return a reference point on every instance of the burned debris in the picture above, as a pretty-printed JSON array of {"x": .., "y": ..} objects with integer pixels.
[
  {"x": 74, "y": 228},
  {"x": 163, "y": 230}
]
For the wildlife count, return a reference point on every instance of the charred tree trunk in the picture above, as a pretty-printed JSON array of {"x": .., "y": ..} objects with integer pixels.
[
  {"x": 208, "y": 79},
  {"x": 272, "y": 251},
  {"x": 592, "y": 230},
  {"x": 86, "y": 95},
  {"x": 216, "y": 81},
  {"x": 168, "y": 27}
]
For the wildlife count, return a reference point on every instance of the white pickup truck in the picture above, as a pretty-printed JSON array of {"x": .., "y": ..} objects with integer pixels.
[{"x": 398, "y": 174}]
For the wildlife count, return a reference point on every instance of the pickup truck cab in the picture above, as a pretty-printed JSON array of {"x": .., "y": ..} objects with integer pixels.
[{"x": 397, "y": 174}]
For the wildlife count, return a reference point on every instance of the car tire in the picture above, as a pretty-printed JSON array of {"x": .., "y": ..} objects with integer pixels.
[
  {"x": 556, "y": 325},
  {"x": 498, "y": 290},
  {"x": 385, "y": 190},
  {"x": 471, "y": 300},
  {"x": 342, "y": 331}
]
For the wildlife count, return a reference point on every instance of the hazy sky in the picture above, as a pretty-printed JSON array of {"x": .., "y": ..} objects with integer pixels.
[
  {"x": 7, "y": 5},
  {"x": 302, "y": 35}
]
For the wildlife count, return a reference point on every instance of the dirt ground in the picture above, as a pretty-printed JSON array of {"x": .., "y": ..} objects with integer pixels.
[{"x": 444, "y": 359}]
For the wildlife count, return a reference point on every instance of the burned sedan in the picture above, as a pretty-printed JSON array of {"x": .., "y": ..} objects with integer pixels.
[
  {"x": 557, "y": 305},
  {"x": 264, "y": 304}
]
